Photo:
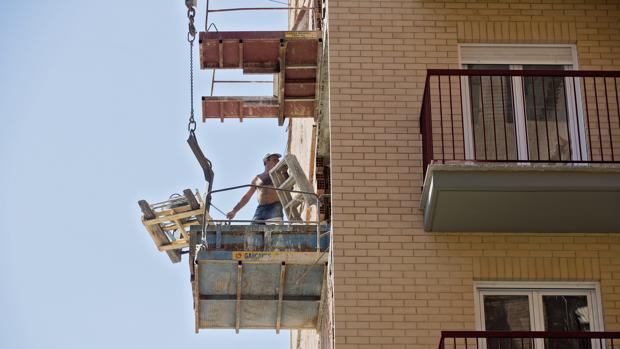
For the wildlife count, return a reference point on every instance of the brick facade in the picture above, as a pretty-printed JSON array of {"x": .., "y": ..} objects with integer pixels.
[{"x": 397, "y": 286}]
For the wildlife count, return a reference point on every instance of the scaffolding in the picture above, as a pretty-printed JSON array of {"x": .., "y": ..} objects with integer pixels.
[
  {"x": 249, "y": 274},
  {"x": 293, "y": 57}
]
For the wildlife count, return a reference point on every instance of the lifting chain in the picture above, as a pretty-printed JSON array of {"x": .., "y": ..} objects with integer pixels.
[{"x": 191, "y": 36}]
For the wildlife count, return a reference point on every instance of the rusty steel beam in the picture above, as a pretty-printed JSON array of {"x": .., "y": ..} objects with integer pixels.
[
  {"x": 281, "y": 81},
  {"x": 256, "y": 52},
  {"x": 255, "y": 107}
]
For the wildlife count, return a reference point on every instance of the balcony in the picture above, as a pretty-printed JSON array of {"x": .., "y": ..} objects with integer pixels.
[
  {"x": 521, "y": 151},
  {"x": 527, "y": 340}
]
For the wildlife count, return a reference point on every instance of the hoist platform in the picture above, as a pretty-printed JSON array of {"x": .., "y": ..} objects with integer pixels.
[
  {"x": 260, "y": 276},
  {"x": 293, "y": 58},
  {"x": 247, "y": 274}
]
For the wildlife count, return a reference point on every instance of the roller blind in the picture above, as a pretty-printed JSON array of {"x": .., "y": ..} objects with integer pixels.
[{"x": 507, "y": 54}]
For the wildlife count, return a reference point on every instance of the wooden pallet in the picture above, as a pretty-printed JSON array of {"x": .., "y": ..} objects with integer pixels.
[
  {"x": 289, "y": 175},
  {"x": 168, "y": 222}
]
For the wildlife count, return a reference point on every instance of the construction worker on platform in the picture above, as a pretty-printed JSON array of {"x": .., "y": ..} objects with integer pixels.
[{"x": 269, "y": 208}]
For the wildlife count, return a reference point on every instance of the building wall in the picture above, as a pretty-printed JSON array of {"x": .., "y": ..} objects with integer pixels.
[
  {"x": 305, "y": 143},
  {"x": 397, "y": 286}
]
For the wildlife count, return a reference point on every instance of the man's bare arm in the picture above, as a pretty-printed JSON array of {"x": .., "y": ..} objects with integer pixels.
[{"x": 244, "y": 200}]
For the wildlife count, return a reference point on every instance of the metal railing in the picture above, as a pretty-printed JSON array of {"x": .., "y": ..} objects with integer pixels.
[
  {"x": 553, "y": 116},
  {"x": 316, "y": 223},
  {"x": 527, "y": 340},
  {"x": 317, "y": 5}
]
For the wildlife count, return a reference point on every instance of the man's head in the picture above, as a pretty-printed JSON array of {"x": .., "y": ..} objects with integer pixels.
[{"x": 270, "y": 160}]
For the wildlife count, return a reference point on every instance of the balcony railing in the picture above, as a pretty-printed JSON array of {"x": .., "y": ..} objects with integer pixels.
[
  {"x": 551, "y": 116},
  {"x": 528, "y": 340}
]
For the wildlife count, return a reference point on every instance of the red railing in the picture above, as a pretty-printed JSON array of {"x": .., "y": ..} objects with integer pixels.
[
  {"x": 566, "y": 116},
  {"x": 527, "y": 340}
]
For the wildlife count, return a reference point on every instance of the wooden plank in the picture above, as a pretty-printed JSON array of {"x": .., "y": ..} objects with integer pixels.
[
  {"x": 146, "y": 209},
  {"x": 187, "y": 224},
  {"x": 174, "y": 245},
  {"x": 155, "y": 231},
  {"x": 179, "y": 227},
  {"x": 193, "y": 204},
  {"x": 191, "y": 199},
  {"x": 168, "y": 212},
  {"x": 172, "y": 217},
  {"x": 302, "y": 35}
]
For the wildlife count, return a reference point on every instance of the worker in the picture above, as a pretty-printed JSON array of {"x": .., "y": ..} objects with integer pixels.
[{"x": 269, "y": 207}]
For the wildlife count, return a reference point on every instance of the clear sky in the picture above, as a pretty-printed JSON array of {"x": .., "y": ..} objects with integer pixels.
[{"x": 94, "y": 101}]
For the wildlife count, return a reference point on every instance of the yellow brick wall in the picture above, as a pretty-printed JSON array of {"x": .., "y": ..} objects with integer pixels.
[{"x": 397, "y": 286}]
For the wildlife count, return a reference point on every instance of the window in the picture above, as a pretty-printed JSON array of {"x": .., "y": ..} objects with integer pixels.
[
  {"x": 521, "y": 118},
  {"x": 514, "y": 306}
]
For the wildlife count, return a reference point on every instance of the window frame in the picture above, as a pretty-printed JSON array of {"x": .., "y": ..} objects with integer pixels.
[
  {"x": 535, "y": 291},
  {"x": 516, "y": 56}
]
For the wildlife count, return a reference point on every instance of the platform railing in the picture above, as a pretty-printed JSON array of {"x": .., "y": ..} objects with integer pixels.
[
  {"x": 316, "y": 223},
  {"x": 525, "y": 116},
  {"x": 528, "y": 340},
  {"x": 316, "y": 6}
]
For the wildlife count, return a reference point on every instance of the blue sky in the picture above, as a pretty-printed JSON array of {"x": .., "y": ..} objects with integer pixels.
[{"x": 94, "y": 106}]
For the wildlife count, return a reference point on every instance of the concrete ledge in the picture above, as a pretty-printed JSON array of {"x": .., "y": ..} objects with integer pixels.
[{"x": 514, "y": 197}]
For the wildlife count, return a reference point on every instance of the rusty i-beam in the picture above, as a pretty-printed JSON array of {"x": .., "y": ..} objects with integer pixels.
[{"x": 292, "y": 57}]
